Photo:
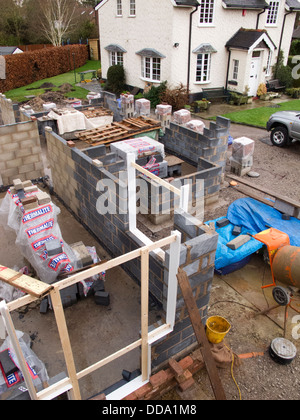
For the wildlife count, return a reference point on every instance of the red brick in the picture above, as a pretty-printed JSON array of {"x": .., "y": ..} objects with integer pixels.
[
  {"x": 196, "y": 366},
  {"x": 141, "y": 392},
  {"x": 184, "y": 377},
  {"x": 186, "y": 362},
  {"x": 186, "y": 385},
  {"x": 131, "y": 397},
  {"x": 175, "y": 367},
  {"x": 158, "y": 379}
]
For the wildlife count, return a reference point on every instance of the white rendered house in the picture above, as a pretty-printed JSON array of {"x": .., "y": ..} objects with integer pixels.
[{"x": 201, "y": 44}]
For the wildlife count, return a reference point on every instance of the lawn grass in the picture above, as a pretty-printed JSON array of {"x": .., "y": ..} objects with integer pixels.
[
  {"x": 258, "y": 117},
  {"x": 19, "y": 94}
]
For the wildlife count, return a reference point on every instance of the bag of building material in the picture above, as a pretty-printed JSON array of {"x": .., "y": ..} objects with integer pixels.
[{"x": 10, "y": 373}]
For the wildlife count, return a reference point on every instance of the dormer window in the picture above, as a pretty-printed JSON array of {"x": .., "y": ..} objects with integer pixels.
[{"x": 206, "y": 12}]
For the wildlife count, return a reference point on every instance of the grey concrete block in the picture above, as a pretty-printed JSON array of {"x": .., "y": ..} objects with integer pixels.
[
  {"x": 238, "y": 242},
  {"x": 102, "y": 298},
  {"x": 203, "y": 245},
  {"x": 53, "y": 247}
]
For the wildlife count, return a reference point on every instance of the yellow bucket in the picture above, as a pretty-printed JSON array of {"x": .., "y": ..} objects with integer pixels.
[{"x": 216, "y": 329}]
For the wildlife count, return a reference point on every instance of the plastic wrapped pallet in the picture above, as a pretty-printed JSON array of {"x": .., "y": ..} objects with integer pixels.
[
  {"x": 163, "y": 110},
  {"x": 196, "y": 125},
  {"x": 182, "y": 116},
  {"x": 140, "y": 147},
  {"x": 127, "y": 99},
  {"x": 143, "y": 107},
  {"x": 242, "y": 147}
]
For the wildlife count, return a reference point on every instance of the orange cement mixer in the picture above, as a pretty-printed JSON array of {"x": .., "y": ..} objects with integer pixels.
[{"x": 284, "y": 261}]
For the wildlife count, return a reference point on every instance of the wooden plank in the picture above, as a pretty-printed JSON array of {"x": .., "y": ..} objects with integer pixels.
[
  {"x": 201, "y": 335},
  {"x": 65, "y": 341},
  {"x": 25, "y": 283},
  {"x": 157, "y": 179},
  {"x": 265, "y": 191},
  {"x": 144, "y": 312}
]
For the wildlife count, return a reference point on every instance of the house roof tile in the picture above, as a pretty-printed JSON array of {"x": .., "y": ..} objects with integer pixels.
[
  {"x": 245, "y": 39},
  {"x": 293, "y": 4},
  {"x": 7, "y": 50}
]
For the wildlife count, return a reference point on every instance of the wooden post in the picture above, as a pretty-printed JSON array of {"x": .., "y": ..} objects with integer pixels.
[
  {"x": 144, "y": 311},
  {"x": 201, "y": 335},
  {"x": 65, "y": 341}
]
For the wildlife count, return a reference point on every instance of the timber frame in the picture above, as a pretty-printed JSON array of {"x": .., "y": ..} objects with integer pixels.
[{"x": 71, "y": 383}]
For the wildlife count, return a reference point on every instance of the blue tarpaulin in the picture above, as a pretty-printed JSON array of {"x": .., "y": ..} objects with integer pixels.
[{"x": 253, "y": 217}]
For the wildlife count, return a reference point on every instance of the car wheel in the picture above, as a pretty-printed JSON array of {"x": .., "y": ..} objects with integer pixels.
[{"x": 280, "y": 137}]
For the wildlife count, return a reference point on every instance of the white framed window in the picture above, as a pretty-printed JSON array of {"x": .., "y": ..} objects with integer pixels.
[
  {"x": 119, "y": 8},
  {"x": 206, "y": 9},
  {"x": 151, "y": 68},
  {"x": 272, "y": 16},
  {"x": 203, "y": 68},
  {"x": 236, "y": 64},
  {"x": 132, "y": 8},
  {"x": 116, "y": 58}
]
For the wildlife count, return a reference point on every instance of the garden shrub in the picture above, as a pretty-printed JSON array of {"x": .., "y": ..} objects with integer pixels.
[
  {"x": 155, "y": 94},
  {"x": 115, "y": 79},
  {"x": 177, "y": 97}
]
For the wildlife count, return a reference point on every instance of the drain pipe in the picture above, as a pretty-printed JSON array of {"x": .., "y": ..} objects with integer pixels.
[
  {"x": 281, "y": 38},
  {"x": 190, "y": 48},
  {"x": 258, "y": 16}
]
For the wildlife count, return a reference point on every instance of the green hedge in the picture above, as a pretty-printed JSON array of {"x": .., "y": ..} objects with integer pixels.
[{"x": 28, "y": 67}]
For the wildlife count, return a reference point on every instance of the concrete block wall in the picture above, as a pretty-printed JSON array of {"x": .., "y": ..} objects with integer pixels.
[
  {"x": 197, "y": 258},
  {"x": 160, "y": 202},
  {"x": 7, "y": 110},
  {"x": 212, "y": 145},
  {"x": 20, "y": 152},
  {"x": 79, "y": 182}
]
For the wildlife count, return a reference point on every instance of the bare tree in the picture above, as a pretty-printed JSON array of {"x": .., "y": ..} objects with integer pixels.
[{"x": 57, "y": 19}]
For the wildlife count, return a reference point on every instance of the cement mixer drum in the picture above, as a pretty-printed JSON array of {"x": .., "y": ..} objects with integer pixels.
[{"x": 286, "y": 266}]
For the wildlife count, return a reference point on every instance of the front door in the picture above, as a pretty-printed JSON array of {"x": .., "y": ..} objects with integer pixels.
[{"x": 254, "y": 76}]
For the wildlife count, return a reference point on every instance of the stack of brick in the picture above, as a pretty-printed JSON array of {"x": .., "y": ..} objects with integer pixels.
[
  {"x": 127, "y": 105},
  {"x": 164, "y": 115},
  {"x": 178, "y": 374},
  {"x": 182, "y": 116},
  {"x": 142, "y": 107},
  {"x": 241, "y": 160},
  {"x": 20, "y": 152}
]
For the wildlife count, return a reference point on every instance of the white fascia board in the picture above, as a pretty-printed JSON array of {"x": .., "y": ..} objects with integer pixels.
[
  {"x": 267, "y": 40},
  {"x": 101, "y": 4}
]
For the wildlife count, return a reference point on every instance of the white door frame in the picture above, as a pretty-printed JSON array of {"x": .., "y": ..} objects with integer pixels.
[{"x": 254, "y": 79}]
